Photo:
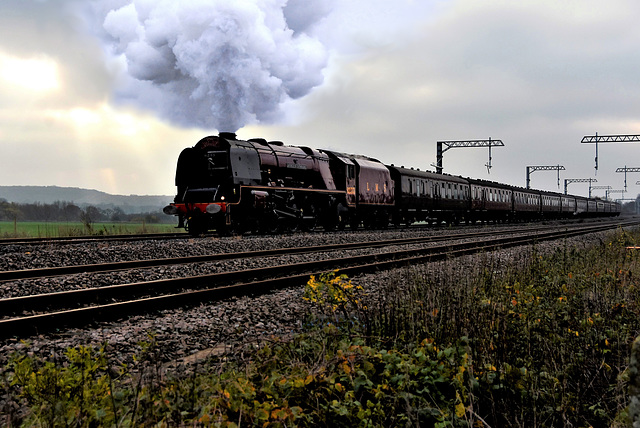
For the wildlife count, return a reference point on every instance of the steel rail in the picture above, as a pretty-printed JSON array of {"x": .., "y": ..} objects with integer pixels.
[
  {"x": 13, "y": 275},
  {"x": 92, "y": 238},
  {"x": 175, "y": 235},
  {"x": 215, "y": 287},
  {"x": 141, "y": 264}
]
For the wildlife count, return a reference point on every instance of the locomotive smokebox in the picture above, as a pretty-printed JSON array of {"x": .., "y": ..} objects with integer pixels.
[{"x": 227, "y": 135}]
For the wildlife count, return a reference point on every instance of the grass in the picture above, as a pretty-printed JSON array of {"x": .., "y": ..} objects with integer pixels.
[
  {"x": 9, "y": 229},
  {"x": 536, "y": 341}
]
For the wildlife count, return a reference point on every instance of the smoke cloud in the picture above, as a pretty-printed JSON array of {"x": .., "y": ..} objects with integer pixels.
[{"x": 213, "y": 63}]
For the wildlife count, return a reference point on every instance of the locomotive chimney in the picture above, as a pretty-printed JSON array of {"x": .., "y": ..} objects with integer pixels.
[{"x": 227, "y": 135}]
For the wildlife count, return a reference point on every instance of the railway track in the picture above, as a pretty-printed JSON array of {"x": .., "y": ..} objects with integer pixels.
[
  {"x": 150, "y": 236},
  {"x": 36, "y": 314},
  {"x": 13, "y": 275},
  {"x": 92, "y": 238}
]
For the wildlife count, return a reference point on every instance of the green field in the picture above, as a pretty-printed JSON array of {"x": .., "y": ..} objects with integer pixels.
[{"x": 9, "y": 229}]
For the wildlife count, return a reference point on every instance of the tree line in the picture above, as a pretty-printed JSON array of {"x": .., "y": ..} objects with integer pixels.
[{"x": 68, "y": 211}]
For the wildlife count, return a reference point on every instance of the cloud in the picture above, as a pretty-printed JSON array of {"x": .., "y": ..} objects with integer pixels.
[{"x": 213, "y": 64}]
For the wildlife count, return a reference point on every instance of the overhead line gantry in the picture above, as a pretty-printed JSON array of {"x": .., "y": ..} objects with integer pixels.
[
  {"x": 607, "y": 188},
  {"x": 531, "y": 169},
  {"x": 608, "y": 139},
  {"x": 568, "y": 181},
  {"x": 608, "y": 192},
  {"x": 625, "y": 170},
  {"x": 464, "y": 143}
]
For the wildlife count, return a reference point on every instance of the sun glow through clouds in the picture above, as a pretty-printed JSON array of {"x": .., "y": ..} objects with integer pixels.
[{"x": 38, "y": 74}]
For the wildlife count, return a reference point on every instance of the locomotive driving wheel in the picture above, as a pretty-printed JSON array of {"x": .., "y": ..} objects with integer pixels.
[
  {"x": 271, "y": 223},
  {"x": 309, "y": 218},
  {"x": 292, "y": 224},
  {"x": 196, "y": 226}
]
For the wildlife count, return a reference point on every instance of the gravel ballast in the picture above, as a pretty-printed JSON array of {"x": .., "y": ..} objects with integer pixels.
[{"x": 215, "y": 327}]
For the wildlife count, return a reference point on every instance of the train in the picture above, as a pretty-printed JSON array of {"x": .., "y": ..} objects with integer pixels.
[{"x": 234, "y": 186}]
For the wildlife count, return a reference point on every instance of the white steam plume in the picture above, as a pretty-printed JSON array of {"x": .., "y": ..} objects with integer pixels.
[{"x": 213, "y": 63}]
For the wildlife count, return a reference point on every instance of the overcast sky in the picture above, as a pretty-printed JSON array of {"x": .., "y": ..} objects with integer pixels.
[{"x": 105, "y": 94}]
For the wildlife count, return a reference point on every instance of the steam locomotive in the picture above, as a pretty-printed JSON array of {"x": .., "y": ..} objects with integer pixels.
[{"x": 233, "y": 186}]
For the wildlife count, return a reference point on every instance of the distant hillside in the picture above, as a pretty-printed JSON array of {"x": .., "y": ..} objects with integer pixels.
[{"x": 83, "y": 197}]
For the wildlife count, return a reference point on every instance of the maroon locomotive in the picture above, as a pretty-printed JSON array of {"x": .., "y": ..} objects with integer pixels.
[{"x": 232, "y": 186}]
